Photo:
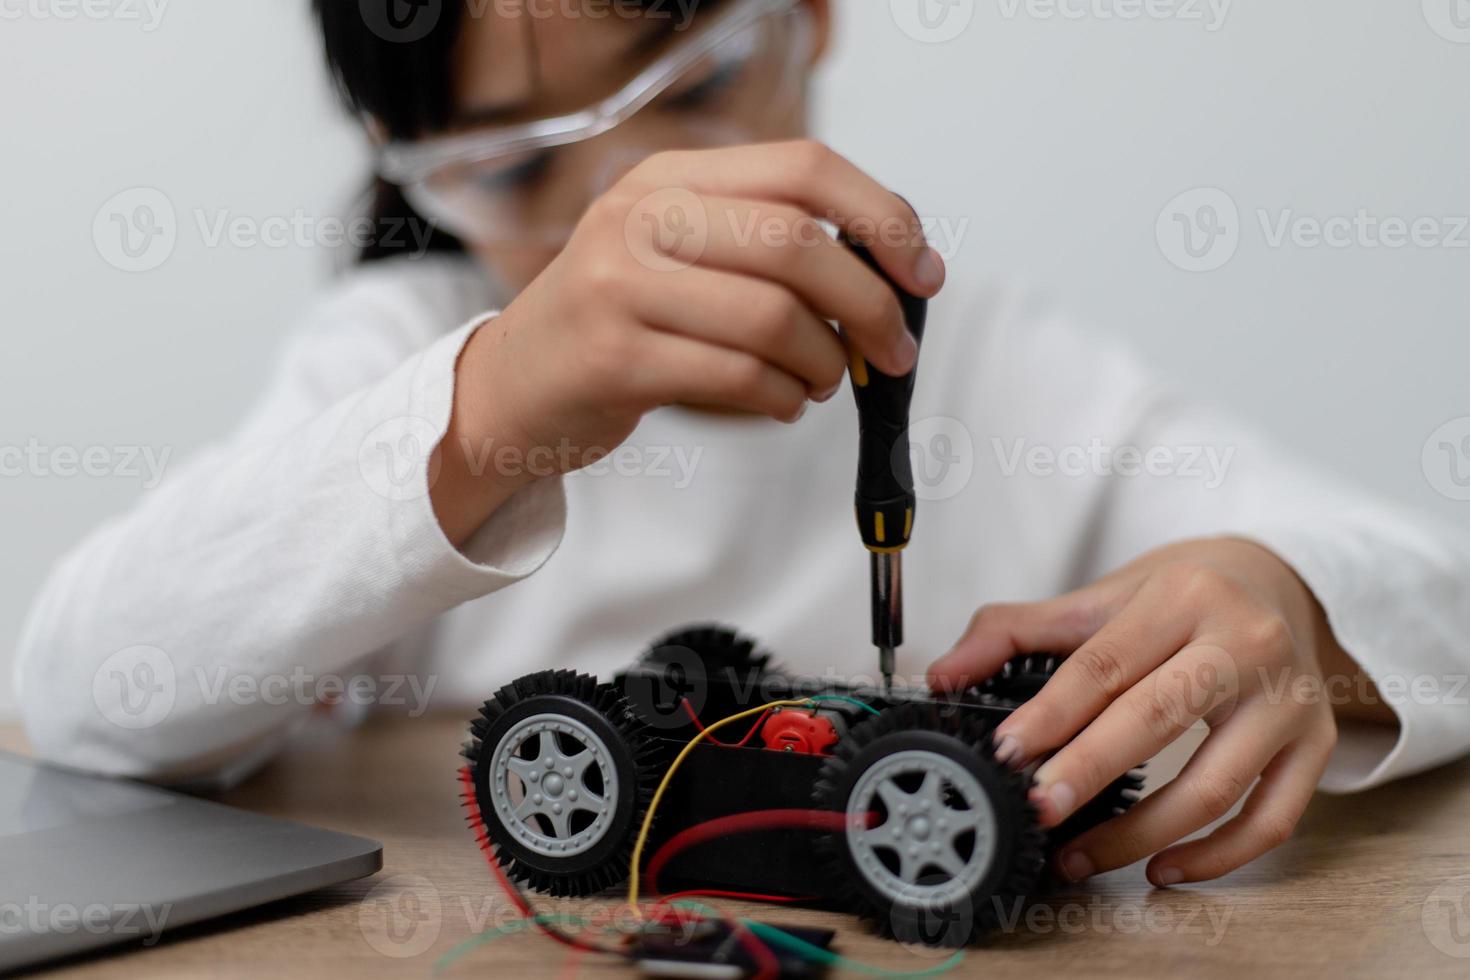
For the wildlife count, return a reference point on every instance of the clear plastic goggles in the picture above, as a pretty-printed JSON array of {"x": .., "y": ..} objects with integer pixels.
[{"x": 530, "y": 183}]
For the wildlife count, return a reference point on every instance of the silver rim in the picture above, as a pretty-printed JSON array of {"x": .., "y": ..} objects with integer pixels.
[
  {"x": 936, "y": 832},
  {"x": 553, "y": 785}
]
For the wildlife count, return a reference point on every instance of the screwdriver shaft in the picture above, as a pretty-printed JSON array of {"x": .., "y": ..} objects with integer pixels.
[{"x": 887, "y": 578}]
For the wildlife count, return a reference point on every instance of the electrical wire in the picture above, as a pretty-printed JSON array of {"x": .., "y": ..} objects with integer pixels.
[
  {"x": 741, "y": 823},
  {"x": 658, "y": 794},
  {"x": 512, "y": 891},
  {"x": 699, "y": 725},
  {"x": 819, "y": 954}
]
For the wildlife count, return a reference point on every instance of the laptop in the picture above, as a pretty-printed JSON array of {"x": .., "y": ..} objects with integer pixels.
[{"x": 87, "y": 862}]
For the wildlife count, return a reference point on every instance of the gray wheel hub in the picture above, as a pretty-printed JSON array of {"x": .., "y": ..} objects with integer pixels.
[
  {"x": 539, "y": 780},
  {"x": 933, "y": 844}
]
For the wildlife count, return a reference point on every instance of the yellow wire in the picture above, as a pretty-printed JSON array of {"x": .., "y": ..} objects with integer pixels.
[{"x": 658, "y": 794}]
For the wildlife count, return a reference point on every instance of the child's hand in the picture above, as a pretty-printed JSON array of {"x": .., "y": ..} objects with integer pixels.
[
  {"x": 703, "y": 278},
  {"x": 1219, "y": 630}
]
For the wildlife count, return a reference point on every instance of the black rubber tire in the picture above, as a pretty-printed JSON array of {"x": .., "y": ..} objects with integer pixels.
[
  {"x": 962, "y": 737},
  {"x": 1020, "y": 680},
  {"x": 635, "y": 764}
]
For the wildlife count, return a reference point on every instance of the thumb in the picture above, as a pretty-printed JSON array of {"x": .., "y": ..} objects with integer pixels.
[{"x": 998, "y": 632}]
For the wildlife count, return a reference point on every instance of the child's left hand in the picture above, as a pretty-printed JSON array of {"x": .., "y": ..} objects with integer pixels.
[{"x": 1220, "y": 630}]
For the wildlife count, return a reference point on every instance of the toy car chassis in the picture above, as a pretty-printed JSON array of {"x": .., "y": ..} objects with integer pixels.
[{"x": 890, "y": 804}]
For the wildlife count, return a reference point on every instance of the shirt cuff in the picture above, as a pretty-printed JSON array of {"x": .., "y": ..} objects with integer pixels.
[
  {"x": 1341, "y": 572},
  {"x": 522, "y": 534}
]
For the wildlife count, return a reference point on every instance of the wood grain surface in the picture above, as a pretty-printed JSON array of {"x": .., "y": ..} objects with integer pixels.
[{"x": 1373, "y": 885}]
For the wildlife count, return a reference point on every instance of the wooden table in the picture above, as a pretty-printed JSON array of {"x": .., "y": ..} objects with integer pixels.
[{"x": 1374, "y": 885}]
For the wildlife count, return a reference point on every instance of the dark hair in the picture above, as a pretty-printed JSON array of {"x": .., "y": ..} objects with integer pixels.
[
  {"x": 400, "y": 75},
  {"x": 403, "y": 81}
]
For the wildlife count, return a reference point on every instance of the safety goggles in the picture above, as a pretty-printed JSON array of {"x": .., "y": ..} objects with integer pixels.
[{"x": 528, "y": 183}]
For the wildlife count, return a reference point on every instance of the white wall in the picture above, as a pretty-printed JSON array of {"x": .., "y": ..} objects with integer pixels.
[{"x": 1060, "y": 141}]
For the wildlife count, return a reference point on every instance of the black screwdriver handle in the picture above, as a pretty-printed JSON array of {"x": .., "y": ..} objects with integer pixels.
[{"x": 885, "y": 498}]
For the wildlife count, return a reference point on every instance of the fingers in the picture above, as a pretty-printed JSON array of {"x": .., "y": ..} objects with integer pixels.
[
  {"x": 1133, "y": 729},
  {"x": 815, "y": 178},
  {"x": 1215, "y": 778},
  {"x": 998, "y": 632},
  {"x": 1267, "y": 820},
  {"x": 1148, "y": 631},
  {"x": 667, "y": 368},
  {"x": 828, "y": 276},
  {"x": 754, "y": 315}
]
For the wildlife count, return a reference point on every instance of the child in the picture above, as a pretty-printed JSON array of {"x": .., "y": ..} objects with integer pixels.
[{"x": 665, "y": 291}]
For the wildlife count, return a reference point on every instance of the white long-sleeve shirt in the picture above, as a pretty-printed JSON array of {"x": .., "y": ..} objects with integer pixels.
[{"x": 188, "y": 637}]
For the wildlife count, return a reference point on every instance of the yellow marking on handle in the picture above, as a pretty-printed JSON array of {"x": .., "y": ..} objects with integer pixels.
[
  {"x": 878, "y": 525},
  {"x": 859, "y": 370},
  {"x": 908, "y": 522}
]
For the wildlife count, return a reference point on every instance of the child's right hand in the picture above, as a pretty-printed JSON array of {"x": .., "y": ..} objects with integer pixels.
[{"x": 701, "y": 278}]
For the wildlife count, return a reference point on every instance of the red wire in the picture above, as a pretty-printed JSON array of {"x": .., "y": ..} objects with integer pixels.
[
  {"x": 689, "y": 710},
  {"x": 741, "y": 896},
  {"x": 740, "y": 823}
]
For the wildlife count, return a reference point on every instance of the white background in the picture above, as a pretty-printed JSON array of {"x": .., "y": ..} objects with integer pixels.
[{"x": 1059, "y": 139}]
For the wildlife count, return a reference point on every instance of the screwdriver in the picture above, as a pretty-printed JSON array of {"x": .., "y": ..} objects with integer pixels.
[{"x": 885, "y": 500}]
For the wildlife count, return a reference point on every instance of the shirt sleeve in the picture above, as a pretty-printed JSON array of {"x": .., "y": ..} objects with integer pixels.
[
  {"x": 185, "y": 637},
  {"x": 1129, "y": 465}
]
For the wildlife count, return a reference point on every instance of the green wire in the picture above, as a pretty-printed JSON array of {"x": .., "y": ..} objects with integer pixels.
[
  {"x": 806, "y": 950},
  {"x": 841, "y": 697},
  {"x": 816, "y": 954},
  {"x": 475, "y": 942}
]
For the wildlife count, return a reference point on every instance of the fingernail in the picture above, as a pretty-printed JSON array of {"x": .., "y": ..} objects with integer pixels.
[
  {"x": 1007, "y": 749},
  {"x": 1058, "y": 798},
  {"x": 1165, "y": 877},
  {"x": 906, "y": 354},
  {"x": 929, "y": 270},
  {"x": 1076, "y": 866}
]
